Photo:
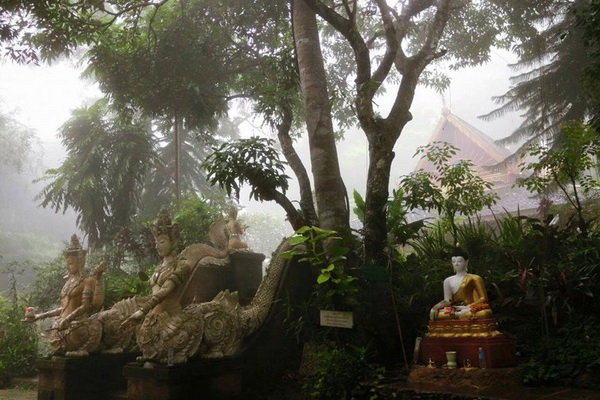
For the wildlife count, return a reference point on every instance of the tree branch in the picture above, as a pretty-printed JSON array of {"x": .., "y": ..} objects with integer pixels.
[
  {"x": 289, "y": 152},
  {"x": 412, "y": 67},
  {"x": 347, "y": 28},
  {"x": 294, "y": 216},
  {"x": 391, "y": 44},
  {"x": 434, "y": 34}
]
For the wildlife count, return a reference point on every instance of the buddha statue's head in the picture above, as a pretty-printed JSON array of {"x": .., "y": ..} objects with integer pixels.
[
  {"x": 74, "y": 256},
  {"x": 460, "y": 260},
  {"x": 166, "y": 234}
]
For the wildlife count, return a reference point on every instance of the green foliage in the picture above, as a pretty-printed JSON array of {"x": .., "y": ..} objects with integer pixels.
[
  {"x": 338, "y": 370},
  {"x": 281, "y": 93},
  {"x": 119, "y": 285},
  {"x": 26, "y": 246},
  {"x": 566, "y": 167},
  {"x": 102, "y": 176},
  {"x": 18, "y": 340},
  {"x": 588, "y": 19},
  {"x": 325, "y": 251},
  {"x": 568, "y": 164},
  {"x": 178, "y": 71},
  {"x": 31, "y": 30},
  {"x": 400, "y": 231},
  {"x": 44, "y": 291},
  {"x": 251, "y": 161},
  {"x": 572, "y": 358},
  {"x": 451, "y": 190},
  {"x": 359, "y": 206},
  {"x": 194, "y": 218},
  {"x": 553, "y": 57}
]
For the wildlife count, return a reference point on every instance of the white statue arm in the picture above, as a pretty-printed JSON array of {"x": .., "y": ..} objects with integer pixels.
[{"x": 444, "y": 303}]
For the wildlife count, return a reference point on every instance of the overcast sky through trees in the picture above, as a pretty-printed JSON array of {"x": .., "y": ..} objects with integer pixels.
[{"x": 43, "y": 96}]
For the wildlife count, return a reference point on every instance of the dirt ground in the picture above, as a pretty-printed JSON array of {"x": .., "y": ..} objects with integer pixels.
[
  {"x": 21, "y": 388},
  {"x": 18, "y": 394}
]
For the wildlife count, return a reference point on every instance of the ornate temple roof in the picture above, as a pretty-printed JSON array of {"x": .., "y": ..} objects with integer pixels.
[
  {"x": 487, "y": 157},
  {"x": 473, "y": 145}
]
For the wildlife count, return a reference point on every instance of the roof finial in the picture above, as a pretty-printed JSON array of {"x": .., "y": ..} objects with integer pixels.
[{"x": 445, "y": 109}]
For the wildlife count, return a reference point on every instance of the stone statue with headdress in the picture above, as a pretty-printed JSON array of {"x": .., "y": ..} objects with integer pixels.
[{"x": 73, "y": 332}]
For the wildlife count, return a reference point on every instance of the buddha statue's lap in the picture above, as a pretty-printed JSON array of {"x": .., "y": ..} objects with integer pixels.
[{"x": 468, "y": 302}]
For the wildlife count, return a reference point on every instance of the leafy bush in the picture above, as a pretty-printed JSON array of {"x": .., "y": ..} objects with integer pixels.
[
  {"x": 326, "y": 253},
  {"x": 337, "y": 371},
  {"x": 44, "y": 291},
  {"x": 194, "y": 219},
  {"x": 119, "y": 285},
  {"x": 18, "y": 340},
  {"x": 571, "y": 356}
]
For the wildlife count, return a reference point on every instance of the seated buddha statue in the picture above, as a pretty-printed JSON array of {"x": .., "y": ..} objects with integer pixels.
[
  {"x": 463, "y": 321},
  {"x": 465, "y": 297}
]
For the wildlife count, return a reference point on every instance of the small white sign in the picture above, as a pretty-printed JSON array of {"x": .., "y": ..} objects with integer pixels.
[{"x": 337, "y": 319}]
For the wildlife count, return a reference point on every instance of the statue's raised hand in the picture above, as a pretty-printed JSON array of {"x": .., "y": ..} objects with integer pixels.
[{"x": 30, "y": 315}]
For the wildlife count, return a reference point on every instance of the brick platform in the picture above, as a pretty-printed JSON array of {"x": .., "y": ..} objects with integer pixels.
[{"x": 499, "y": 351}]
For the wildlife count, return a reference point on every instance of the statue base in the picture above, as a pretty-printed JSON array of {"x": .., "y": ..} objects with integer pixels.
[
  {"x": 455, "y": 335},
  {"x": 96, "y": 377},
  {"x": 217, "y": 379}
]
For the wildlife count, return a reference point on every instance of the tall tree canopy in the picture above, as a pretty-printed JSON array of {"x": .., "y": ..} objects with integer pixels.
[
  {"x": 553, "y": 57},
  {"x": 101, "y": 179},
  {"x": 391, "y": 46},
  {"x": 184, "y": 59}
]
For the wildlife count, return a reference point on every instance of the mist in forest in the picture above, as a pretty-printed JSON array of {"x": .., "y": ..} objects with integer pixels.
[{"x": 42, "y": 97}]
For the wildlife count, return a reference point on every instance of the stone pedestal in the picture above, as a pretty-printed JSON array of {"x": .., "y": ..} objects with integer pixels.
[
  {"x": 246, "y": 271},
  {"x": 217, "y": 379},
  {"x": 96, "y": 377}
]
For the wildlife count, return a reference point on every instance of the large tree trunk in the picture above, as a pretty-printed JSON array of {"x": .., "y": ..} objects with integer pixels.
[
  {"x": 376, "y": 198},
  {"x": 382, "y": 136},
  {"x": 331, "y": 198}
]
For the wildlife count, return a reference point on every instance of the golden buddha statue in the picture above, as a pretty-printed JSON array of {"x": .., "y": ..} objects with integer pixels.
[
  {"x": 463, "y": 321},
  {"x": 465, "y": 296},
  {"x": 464, "y": 311}
]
